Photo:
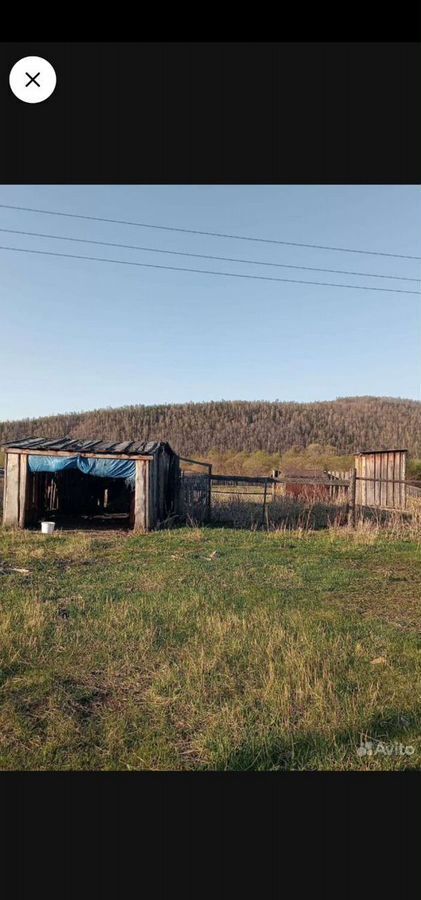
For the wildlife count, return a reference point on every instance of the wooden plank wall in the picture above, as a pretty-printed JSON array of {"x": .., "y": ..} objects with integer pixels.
[
  {"x": 15, "y": 490},
  {"x": 152, "y": 496},
  {"x": 173, "y": 493},
  {"x": 383, "y": 471},
  {"x": 155, "y": 475},
  {"x": 162, "y": 487},
  {"x": 151, "y": 491}
]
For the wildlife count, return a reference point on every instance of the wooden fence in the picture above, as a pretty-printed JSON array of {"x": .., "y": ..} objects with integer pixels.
[
  {"x": 202, "y": 492},
  {"x": 279, "y": 497}
]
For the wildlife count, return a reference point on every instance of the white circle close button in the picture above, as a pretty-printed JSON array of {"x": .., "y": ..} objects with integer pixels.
[{"x": 32, "y": 79}]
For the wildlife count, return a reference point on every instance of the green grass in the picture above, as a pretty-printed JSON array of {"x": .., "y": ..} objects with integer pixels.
[{"x": 208, "y": 649}]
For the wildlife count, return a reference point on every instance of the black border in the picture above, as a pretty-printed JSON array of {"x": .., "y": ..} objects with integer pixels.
[
  {"x": 213, "y": 112},
  {"x": 217, "y": 112},
  {"x": 214, "y": 834}
]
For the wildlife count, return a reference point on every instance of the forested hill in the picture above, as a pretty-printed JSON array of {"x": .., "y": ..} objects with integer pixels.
[{"x": 348, "y": 424}]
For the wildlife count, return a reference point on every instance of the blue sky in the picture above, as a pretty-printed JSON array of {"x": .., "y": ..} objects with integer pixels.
[{"x": 78, "y": 334}]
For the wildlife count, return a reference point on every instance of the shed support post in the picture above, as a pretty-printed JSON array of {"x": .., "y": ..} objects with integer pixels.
[
  {"x": 23, "y": 489},
  {"x": 352, "y": 499},
  {"x": 142, "y": 496}
]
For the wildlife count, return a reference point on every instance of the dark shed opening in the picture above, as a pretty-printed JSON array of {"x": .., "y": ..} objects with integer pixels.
[{"x": 73, "y": 499}]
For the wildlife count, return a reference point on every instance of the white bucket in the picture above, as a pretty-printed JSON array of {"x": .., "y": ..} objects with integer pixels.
[{"x": 47, "y": 527}]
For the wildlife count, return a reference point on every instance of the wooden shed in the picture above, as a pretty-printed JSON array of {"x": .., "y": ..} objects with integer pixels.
[
  {"x": 133, "y": 483},
  {"x": 381, "y": 478}
]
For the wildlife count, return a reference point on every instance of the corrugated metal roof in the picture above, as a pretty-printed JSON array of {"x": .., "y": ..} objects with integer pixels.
[{"x": 72, "y": 445}]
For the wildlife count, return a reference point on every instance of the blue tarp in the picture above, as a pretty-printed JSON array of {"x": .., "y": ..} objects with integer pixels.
[{"x": 102, "y": 468}]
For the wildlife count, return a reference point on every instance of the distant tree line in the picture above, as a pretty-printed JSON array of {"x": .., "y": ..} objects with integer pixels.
[{"x": 343, "y": 426}]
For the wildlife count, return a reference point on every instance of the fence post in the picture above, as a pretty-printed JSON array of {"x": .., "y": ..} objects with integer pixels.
[
  {"x": 264, "y": 503},
  {"x": 275, "y": 474},
  {"x": 208, "y": 511},
  {"x": 352, "y": 496}
]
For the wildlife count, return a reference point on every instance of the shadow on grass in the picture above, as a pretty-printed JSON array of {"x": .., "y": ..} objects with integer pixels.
[
  {"x": 290, "y": 515},
  {"x": 284, "y": 513},
  {"x": 315, "y": 751}
]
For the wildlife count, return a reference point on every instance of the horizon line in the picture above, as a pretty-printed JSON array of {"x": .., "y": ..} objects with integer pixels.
[{"x": 96, "y": 409}]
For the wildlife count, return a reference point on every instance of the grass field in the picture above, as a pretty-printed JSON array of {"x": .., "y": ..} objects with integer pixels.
[{"x": 209, "y": 649}]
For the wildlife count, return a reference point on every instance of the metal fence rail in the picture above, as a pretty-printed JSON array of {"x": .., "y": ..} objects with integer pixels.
[
  {"x": 275, "y": 505},
  {"x": 207, "y": 496},
  {"x": 195, "y": 490}
]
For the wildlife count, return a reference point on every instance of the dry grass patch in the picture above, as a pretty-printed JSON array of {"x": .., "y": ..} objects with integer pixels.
[{"x": 208, "y": 648}]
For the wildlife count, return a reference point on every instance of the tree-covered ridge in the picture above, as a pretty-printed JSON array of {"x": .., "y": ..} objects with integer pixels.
[{"x": 347, "y": 424}]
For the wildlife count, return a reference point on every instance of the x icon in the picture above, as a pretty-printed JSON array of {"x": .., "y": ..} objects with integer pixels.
[{"x": 32, "y": 79}]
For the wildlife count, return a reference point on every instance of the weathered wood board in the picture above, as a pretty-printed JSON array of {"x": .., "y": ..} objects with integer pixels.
[
  {"x": 11, "y": 498},
  {"x": 380, "y": 479},
  {"x": 141, "y": 503}
]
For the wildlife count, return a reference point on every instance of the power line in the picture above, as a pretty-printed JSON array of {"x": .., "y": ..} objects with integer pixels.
[
  {"x": 254, "y": 262},
  {"x": 124, "y": 262},
  {"x": 237, "y": 237}
]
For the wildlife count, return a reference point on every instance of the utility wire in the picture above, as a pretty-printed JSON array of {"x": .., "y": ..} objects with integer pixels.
[
  {"x": 237, "y": 237},
  {"x": 254, "y": 262},
  {"x": 124, "y": 262}
]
